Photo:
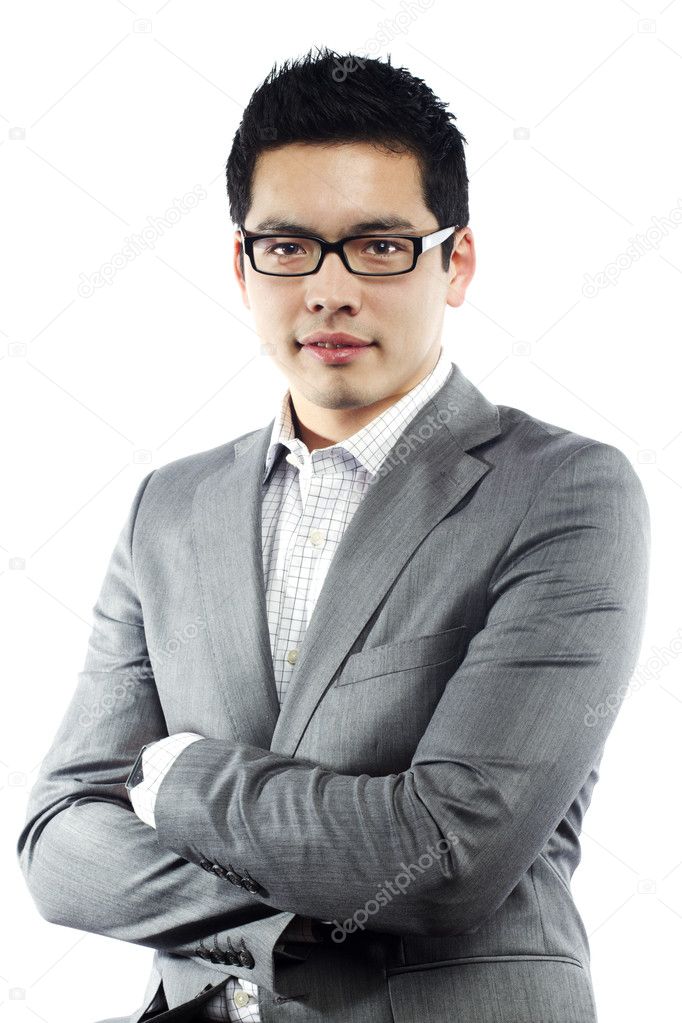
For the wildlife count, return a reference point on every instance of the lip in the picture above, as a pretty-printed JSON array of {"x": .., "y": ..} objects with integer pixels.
[
  {"x": 336, "y": 356},
  {"x": 337, "y": 338},
  {"x": 353, "y": 347}
]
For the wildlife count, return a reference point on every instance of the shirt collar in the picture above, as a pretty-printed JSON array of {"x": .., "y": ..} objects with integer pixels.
[{"x": 371, "y": 444}]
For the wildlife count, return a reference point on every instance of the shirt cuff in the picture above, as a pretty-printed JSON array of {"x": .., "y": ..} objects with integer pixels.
[{"x": 157, "y": 760}]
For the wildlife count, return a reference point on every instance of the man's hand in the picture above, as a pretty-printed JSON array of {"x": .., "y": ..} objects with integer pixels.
[{"x": 157, "y": 759}]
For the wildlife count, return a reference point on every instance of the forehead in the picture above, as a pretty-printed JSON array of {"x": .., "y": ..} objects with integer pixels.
[{"x": 340, "y": 186}]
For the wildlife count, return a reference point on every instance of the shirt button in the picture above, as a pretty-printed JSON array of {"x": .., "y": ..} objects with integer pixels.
[
  {"x": 241, "y": 998},
  {"x": 316, "y": 537},
  {"x": 292, "y": 656}
]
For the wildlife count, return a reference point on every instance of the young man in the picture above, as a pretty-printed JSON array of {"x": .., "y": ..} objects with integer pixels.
[{"x": 359, "y": 775}]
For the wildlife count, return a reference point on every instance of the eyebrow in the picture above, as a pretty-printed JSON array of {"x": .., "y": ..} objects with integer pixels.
[{"x": 387, "y": 223}]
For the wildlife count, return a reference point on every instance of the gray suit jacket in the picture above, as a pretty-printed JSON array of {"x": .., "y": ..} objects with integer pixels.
[{"x": 425, "y": 782}]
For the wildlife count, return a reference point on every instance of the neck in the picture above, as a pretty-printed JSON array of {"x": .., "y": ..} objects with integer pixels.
[{"x": 321, "y": 427}]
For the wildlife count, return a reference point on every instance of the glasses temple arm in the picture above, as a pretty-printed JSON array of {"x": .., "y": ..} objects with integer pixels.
[{"x": 437, "y": 237}]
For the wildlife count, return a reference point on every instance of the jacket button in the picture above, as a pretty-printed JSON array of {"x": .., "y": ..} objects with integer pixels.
[
  {"x": 219, "y": 870},
  {"x": 249, "y": 884},
  {"x": 232, "y": 875},
  {"x": 206, "y": 864},
  {"x": 246, "y": 959}
]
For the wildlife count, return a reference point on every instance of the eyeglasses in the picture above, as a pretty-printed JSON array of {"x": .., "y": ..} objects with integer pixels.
[{"x": 370, "y": 255}]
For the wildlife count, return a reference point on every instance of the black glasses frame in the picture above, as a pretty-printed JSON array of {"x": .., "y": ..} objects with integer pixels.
[{"x": 420, "y": 244}]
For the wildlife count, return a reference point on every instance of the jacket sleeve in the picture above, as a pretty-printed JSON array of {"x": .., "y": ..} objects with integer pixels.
[
  {"x": 518, "y": 729},
  {"x": 88, "y": 860}
]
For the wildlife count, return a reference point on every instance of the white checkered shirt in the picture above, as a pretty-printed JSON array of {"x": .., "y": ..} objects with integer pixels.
[{"x": 308, "y": 501}]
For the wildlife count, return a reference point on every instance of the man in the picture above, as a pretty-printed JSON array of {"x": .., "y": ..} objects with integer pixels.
[{"x": 347, "y": 669}]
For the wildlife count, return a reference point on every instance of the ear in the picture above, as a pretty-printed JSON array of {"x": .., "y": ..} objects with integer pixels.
[
  {"x": 462, "y": 266},
  {"x": 238, "y": 257}
]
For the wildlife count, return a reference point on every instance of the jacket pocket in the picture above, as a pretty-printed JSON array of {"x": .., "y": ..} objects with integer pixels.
[
  {"x": 389, "y": 658},
  {"x": 463, "y": 960},
  {"x": 497, "y": 989}
]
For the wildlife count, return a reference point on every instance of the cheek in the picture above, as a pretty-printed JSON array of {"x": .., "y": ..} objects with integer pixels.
[
  {"x": 402, "y": 306},
  {"x": 272, "y": 305},
  {"x": 395, "y": 300}
]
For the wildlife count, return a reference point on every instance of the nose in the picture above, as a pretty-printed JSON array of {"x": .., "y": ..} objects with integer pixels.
[{"x": 333, "y": 287}]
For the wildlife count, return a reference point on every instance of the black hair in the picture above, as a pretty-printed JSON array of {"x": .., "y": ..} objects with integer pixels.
[{"x": 332, "y": 98}]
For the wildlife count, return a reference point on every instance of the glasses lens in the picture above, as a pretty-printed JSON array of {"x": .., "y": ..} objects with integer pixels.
[
  {"x": 286, "y": 255},
  {"x": 380, "y": 255}
]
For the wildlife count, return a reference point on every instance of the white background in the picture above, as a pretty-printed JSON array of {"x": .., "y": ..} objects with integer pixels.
[{"x": 109, "y": 111}]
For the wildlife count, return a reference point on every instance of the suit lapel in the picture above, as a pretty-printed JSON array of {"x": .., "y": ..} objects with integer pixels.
[
  {"x": 226, "y": 530},
  {"x": 400, "y": 508}
]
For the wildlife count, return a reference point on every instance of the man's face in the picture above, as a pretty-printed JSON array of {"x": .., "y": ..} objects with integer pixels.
[{"x": 328, "y": 189}]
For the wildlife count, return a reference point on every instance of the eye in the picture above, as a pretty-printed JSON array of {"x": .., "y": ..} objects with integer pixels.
[
  {"x": 282, "y": 245},
  {"x": 394, "y": 245}
]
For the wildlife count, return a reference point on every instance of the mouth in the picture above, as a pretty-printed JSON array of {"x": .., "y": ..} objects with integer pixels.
[
  {"x": 335, "y": 340},
  {"x": 334, "y": 349}
]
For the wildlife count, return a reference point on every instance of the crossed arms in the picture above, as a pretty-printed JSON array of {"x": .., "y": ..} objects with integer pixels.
[{"x": 504, "y": 756}]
